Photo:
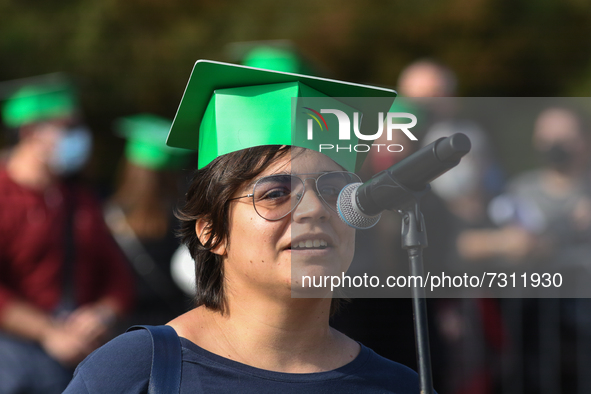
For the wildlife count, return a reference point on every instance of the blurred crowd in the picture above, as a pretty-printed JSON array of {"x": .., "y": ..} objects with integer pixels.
[
  {"x": 76, "y": 269},
  {"x": 479, "y": 219}
]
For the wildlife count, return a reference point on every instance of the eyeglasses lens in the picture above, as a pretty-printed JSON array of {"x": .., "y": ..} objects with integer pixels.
[{"x": 276, "y": 196}]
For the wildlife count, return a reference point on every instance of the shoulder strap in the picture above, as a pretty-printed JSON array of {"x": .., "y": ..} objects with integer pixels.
[
  {"x": 165, "y": 375},
  {"x": 147, "y": 269},
  {"x": 67, "y": 301}
]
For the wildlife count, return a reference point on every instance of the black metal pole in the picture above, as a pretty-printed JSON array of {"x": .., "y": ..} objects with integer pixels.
[
  {"x": 414, "y": 239},
  {"x": 419, "y": 306}
]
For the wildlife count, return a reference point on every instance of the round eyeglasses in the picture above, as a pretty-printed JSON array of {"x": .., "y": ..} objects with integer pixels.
[{"x": 275, "y": 196}]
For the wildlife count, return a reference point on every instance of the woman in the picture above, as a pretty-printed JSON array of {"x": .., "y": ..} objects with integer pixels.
[{"x": 259, "y": 215}]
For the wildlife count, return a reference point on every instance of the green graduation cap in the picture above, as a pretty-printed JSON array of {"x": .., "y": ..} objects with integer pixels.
[
  {"x": 36, "y": 103},
  {"x": 145, "y": 147},
  {"x": 277, "y": 55},
  {"x": 272, "y": 58},
  {"x": 227, "y": 107}
]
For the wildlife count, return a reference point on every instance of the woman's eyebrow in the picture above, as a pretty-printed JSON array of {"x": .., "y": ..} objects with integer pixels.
[
  {"x": 293, "y": 173},
  {"x": 252, "y": 182},
  {"x": 286, "y": 173}
]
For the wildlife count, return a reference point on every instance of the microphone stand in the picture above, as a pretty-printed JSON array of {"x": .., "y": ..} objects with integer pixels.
[
  {"x": 414, "y": 239},
  {"x": 383, "y": 192}
]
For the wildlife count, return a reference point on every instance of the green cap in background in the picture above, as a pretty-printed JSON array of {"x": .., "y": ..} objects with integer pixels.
[
  {"x": 37, "y": 103},
  {"x": 277, "y": 55},
  {"x": 146, "y": 142},
  {"x": 227, "y": 107},
  {"x": 270, "y": 58}
]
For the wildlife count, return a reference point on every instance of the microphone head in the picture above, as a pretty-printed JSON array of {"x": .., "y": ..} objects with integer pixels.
[{"x": 350, "y": 213}]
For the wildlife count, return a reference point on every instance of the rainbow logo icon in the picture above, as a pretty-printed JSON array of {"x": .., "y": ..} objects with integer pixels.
[{"x": 315, "y": 115}]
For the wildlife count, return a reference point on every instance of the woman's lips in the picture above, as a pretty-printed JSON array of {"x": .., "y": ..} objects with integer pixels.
[
  {"x": 311, "y": 241},
  {"x": 309, "y": 244}
]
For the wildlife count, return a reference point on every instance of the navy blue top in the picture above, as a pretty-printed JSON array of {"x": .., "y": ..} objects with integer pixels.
[{"x": 123, "y": 366}]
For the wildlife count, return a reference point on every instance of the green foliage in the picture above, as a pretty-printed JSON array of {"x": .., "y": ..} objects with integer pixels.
[{"x": 136, "y": 55}]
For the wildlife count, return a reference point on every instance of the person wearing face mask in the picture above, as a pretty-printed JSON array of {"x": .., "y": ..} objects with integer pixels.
[
  {"x": 63, "y": 280},
  {"x": 551, "y": 215},
  {"x": 547, "y": 210},
  {"x": 543, "y": 224},
  {"x": 471, "y": 329}
]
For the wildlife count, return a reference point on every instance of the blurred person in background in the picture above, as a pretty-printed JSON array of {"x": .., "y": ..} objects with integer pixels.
[
  {"x": 471, "y": 329},
  {"x": 424, "y": 78},
  {"x": 63, "y": 280},
  {"x": 476, "y": 179},
  {"x": 427, "y": 78},
  {"x": 544, "y": 220},
  {"x": 140, "y": 215},
  {"x": 546, "y": 209}
]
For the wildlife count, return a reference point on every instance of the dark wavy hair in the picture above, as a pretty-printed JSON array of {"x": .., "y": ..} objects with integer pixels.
[{"x": 207, "y": 198}]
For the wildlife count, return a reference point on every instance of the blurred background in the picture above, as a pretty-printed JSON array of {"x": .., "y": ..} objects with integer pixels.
[{"x": 135, "y": 57}]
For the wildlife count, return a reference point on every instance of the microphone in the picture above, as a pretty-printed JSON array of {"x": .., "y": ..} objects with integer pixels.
[{"x": 360, "y": 205}]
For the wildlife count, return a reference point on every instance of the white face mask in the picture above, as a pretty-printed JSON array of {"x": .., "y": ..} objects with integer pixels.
[
  {"x": 72, "y": 151},
  {"x": 462, "y": 181}
]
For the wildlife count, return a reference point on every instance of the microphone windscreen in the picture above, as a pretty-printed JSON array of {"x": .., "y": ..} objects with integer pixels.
[{"x": 348, "y": 211}]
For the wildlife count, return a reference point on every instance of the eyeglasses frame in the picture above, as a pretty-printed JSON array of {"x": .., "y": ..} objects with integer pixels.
[{"x": 320, "y": 174}]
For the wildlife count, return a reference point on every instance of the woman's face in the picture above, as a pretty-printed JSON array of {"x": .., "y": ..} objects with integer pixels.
[{"x": 272, "y": 256}]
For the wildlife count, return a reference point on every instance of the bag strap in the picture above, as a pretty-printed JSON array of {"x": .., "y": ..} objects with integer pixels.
[
  {"x": 165, "y": 375},
  {"x": 67, "y": 301},
  {"x": 146, "y": 268}
]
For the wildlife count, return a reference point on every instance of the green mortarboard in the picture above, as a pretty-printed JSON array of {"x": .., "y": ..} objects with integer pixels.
[
  {"x": 36, "y": 103},
  {"x": 146, "y": 137},
  {"x": 227, "y": 107},
  {"x": 277, "y": 55},
  {"x": 270, "y": 58}
]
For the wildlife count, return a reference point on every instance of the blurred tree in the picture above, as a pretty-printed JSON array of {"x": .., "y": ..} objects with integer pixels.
[{"x": 135, "y": 56}]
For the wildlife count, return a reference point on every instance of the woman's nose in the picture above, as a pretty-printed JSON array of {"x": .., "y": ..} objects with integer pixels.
[{"x": 311, "y": 206}]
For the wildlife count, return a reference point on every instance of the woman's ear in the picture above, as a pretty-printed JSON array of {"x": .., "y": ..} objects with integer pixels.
[{"x": 202, "y": 231}]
